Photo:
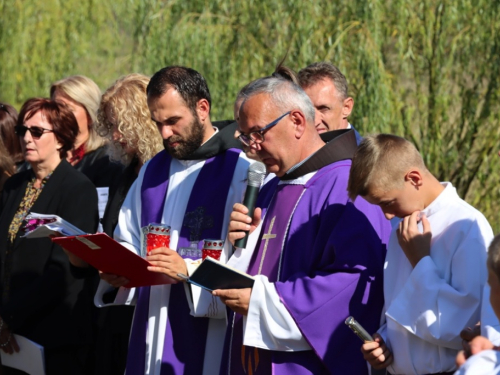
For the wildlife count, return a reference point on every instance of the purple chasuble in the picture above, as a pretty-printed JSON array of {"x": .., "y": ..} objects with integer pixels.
[
  {"x": 185, "y": 336},
  {"x": 331, "y": 267}
]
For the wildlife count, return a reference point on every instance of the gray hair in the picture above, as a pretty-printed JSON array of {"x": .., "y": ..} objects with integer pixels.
[{"x": 283, "y": 93}]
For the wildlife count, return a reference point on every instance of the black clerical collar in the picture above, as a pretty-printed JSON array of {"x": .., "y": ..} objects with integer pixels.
[
  {"x": 218, "y": 143},
  {"x": 341, "y": 145}
]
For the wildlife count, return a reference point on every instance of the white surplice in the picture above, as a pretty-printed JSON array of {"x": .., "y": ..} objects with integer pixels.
[
  {"x": 426, "y": 307},
  {"x": 486, "y": 362},
  {"x": 183, "y": 174}
]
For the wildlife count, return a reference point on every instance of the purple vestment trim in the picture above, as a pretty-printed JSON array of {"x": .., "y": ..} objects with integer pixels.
[
  {"x": 185, "y": 335},
  {"x": 265, "y": 261},
  {"x": 267, "y": 258},
  {"x": 154, "y": 186},
  {"x": 210, "y": 192}
]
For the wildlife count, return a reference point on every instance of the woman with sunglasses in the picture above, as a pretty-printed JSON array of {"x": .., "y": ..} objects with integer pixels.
[{"x": 39, "y": 297}]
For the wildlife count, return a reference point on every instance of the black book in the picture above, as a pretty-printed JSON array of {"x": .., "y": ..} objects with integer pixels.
[{"x": 212, "y": 274}]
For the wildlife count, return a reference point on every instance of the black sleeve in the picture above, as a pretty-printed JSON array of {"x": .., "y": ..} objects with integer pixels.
[{"x": 78, "y": 205}]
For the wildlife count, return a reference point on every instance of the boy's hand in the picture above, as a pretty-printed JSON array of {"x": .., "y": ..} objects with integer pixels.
[
  {"x": 241, "y": 222},
  {"x": 376, "y": 353},
  {"x": 477, "y": 345},
  {"x": 467, "y": 334},
  {"x": 415, "y": 245}
]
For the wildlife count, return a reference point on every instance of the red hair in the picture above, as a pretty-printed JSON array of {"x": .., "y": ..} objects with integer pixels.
[{"x": 58, "y": 115}]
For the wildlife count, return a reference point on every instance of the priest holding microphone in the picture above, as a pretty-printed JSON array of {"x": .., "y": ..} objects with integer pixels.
[{"x": 316, "y": 256}]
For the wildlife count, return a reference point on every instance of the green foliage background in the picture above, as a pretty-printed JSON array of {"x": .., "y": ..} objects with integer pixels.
[{"x": 424, "y": 69}]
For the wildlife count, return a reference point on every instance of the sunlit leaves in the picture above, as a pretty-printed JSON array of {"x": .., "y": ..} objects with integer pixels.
[{"x": 424, "y": 69}]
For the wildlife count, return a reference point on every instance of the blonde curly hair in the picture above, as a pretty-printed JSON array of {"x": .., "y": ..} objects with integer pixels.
[{"x": 124, "y": 106}]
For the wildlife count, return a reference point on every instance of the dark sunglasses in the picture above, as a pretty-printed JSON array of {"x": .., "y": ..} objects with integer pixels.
[{"x": 36, "y": 131}]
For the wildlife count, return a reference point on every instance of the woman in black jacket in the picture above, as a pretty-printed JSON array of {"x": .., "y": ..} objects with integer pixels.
[{"x": 39, "y": 297}]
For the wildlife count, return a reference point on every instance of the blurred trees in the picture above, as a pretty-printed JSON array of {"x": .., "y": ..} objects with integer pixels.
[{"x": 427, "y": 70}]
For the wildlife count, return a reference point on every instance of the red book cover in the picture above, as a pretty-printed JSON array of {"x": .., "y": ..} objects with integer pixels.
[{"x": 109, "y": 256}]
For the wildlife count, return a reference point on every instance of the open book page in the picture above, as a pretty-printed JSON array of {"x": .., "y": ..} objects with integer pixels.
[
  {"x": 29, "y": 359},
  {"x": 41, "y": 225}
]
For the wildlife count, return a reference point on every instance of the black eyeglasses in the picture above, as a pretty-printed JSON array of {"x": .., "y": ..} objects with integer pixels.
[
  {"x": 258, "y": 135},
  {"x": 36, "y": 131}
]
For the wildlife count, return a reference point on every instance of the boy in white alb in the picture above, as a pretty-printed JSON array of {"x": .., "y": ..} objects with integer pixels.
[
  {"x": 483, "y": 356},
  {"x": 435, "y": 266}
]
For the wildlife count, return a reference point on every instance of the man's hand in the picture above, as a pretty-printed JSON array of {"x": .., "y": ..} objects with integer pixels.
[
  {"x": 376, "y": 353},
  {"x": 415, "y": 245},
  {"x": 8, "y": 342},
  {"x": 114, "y": 280},
  {"x": 240, "y": 222},
  {"x": 74, "y": 260},
  {"x": 477, "y": 345},
  {"x": 236, "y": 299},
  {"x": 167, "y": 261}
]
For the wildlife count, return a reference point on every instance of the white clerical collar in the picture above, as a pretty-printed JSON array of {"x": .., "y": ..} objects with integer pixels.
[{"x": 349, "y": 126}]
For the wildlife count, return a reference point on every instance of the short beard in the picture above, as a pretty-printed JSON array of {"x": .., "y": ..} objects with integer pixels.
[{"x": 190, "y": 144}]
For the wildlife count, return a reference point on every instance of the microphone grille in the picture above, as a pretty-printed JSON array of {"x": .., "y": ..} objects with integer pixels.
[{"x": 256, "y": 174}]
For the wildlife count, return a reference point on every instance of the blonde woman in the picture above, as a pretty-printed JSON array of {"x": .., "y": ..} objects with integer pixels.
[
  {"x": 88, "y": 155},
  {"x": 123, "y": 118}
]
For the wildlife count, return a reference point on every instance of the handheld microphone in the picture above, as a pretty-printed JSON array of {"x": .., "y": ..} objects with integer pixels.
[{"x": 256, "y": 174}]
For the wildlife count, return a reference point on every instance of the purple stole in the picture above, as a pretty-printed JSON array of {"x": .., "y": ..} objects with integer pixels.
[
  {"x": 265, "y": 261},
  {"x": 185, "y": 336}
]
